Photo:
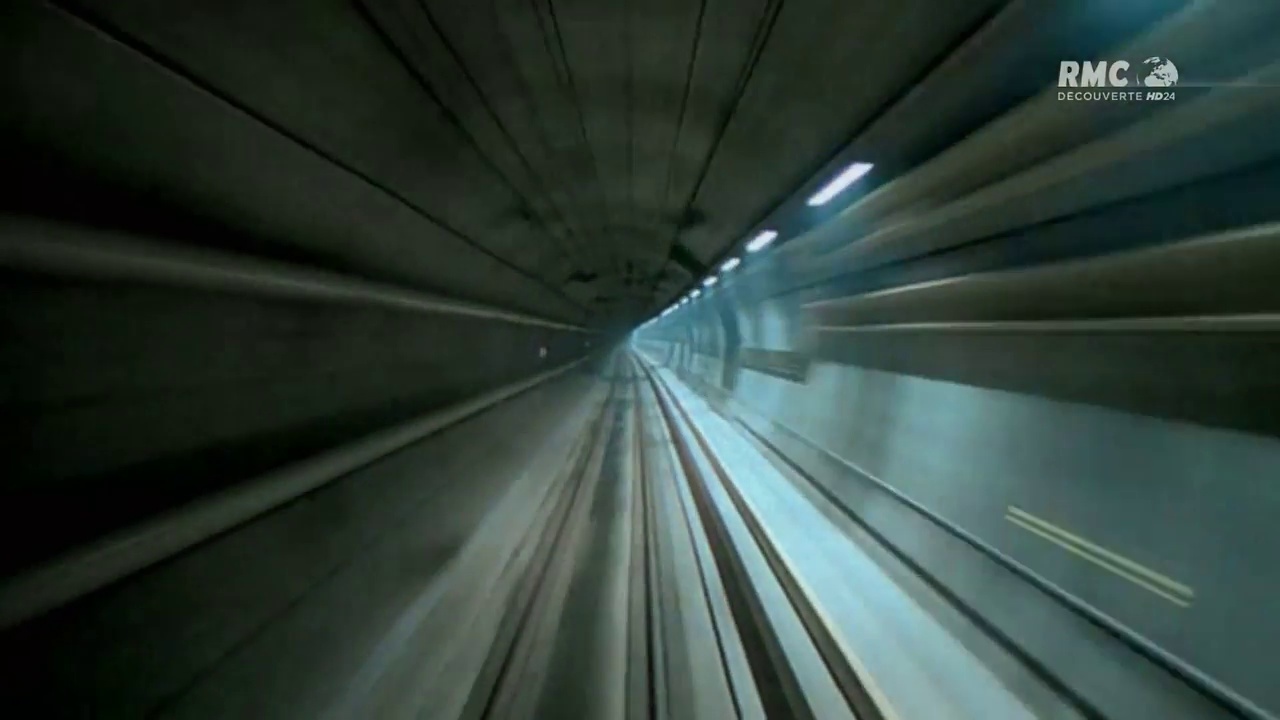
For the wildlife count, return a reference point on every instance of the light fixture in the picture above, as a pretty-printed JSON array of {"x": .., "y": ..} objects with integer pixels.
[
  {"x": 696, "y": 292},
  {"x": 847, "y": 177},
  {"x": 709, "y": 281},
  {"x": 761, "y": 241},
  {"x": 730, "y": 264}
]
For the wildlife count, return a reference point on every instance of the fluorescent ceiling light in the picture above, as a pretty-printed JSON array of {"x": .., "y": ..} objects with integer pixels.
[
  {"x": 696, "y": 292},
  {"x": 709, "y": 281},
  {"x": 847, "y": 177},
  {"x": 761, "y": 241},
  {"x": 730, "y": 264}
]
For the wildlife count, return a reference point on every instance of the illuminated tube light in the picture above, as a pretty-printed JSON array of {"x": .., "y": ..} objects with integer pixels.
[
  {"x": 842, "y": 181},
  {"x": 708, "y": 282},
  {"x": 696, "y": 292},
  {"x": 730, "y": 264},
  {"x": 761, "y": 241}
]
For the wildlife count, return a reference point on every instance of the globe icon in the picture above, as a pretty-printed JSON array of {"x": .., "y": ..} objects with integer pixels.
[{"x": 1159, "y": 72}]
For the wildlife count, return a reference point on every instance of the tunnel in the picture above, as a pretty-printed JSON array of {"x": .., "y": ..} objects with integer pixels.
[{"x": 640, "y": 359}]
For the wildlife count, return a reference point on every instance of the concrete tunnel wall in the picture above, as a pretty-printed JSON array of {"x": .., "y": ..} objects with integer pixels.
[
  {"x": 204, "y": 285},
  {"x": 1159, "y": 450},
  {"x": 959, "y": 335},
  {"x": 149, "y": 377},
  {"x": 288, "y": 614},
  {"x": 135, "y": 391},
  {"x": 1191, "y": 502},
  {"x": 137, "y": 394}
]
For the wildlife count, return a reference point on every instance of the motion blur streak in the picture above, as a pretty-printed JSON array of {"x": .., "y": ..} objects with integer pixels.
[{"x": 640, "y": 359}]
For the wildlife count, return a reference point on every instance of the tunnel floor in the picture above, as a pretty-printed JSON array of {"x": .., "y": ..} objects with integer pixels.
[
  {"x": 690, "y": 576},
  {"x": 617, "y": 546}
]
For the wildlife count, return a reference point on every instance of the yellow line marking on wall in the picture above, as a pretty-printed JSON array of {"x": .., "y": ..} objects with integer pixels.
[
  {"x": 1100, "y": 563},
  {"x": 1142, "y": 577},
  {"x": 1165, "y": 582},
  {"x": 1159, "y": 584}
]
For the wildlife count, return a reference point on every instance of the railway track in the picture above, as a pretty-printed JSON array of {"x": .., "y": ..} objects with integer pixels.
[
  {"x": 652, "y": 589},
  {"x": 638, "y": 558}
]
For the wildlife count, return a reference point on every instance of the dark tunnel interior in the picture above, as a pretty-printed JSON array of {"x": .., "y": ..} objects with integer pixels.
[{"x": 640, "y": 359}]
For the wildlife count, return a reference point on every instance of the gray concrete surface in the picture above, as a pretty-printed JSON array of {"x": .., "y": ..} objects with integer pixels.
[
  {"x": 1125, "y": 464},
  {"x": 135, "y": 396},
  {"x": 548, "y": 157},
  {"x": 277, "y": 617},
  {"x": 584, "y": 164},
  {"x": 1114, "y": 679}
]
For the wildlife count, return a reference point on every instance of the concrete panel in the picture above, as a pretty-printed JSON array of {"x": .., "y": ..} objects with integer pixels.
[
  {"x": 148, "y": 140},
  {"x": 136, "y": 394},
  {"x": 1111, "y": 442},
  {"x": 259, "y": 622},
  {"x": 1068, "y": 651},
  {"x": 1167, "y": 495}
]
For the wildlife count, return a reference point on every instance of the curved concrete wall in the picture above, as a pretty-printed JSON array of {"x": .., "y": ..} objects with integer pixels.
[
  {"x": 330, "y": 604},
  {"x": 146, "y": 383},
  {"x": 1066, "y": 362}
]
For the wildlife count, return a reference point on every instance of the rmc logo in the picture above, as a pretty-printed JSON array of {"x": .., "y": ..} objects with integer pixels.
[{"x": 1154, "y": 72}]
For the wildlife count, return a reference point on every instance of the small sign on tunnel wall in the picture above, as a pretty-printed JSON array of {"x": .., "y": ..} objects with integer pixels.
[{"x": 542, "y": 352}]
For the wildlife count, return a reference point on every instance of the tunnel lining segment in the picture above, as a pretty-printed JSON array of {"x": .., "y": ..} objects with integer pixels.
[
  {"x": 1209, "y": 688},
  {"x": 102, "y": 24},
  {"x": 64, "y": 251},
  {"x": 128, "y": 551}
]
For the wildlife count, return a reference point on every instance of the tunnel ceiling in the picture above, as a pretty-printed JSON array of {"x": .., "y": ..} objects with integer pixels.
[{"x": 606, "y": 148}]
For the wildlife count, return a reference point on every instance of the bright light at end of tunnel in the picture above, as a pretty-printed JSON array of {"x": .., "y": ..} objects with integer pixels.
[
  {"x": 846, "y": 178},
  {"x": 708, "y": 282},
  {"x": 730, "y": 264},
  {"x": 761, "y": 241}
]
